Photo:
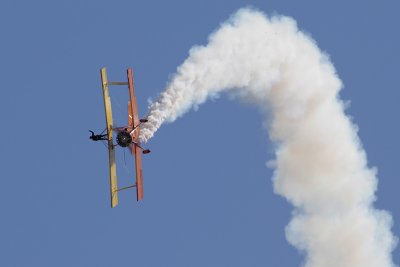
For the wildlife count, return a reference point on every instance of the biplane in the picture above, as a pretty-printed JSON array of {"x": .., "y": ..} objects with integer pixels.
[{"x": 127, "y": 136}]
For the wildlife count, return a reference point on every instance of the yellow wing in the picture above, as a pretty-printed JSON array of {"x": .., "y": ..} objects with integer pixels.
[{"x": 111, "y": 148}]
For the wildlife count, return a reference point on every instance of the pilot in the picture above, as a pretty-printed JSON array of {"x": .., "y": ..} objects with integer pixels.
[{"x": 97, "y": 137}]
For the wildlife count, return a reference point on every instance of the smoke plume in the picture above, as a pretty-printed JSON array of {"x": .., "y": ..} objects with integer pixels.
[{"x": 320, "y": 165}]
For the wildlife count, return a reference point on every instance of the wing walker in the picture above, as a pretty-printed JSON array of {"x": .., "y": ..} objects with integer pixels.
[{"x": 127, "y": 136}]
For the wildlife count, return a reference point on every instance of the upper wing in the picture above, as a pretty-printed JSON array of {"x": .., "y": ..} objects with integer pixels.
[
  {"x": 111, "y": 148},
  {"x": 133, "y": 121}
]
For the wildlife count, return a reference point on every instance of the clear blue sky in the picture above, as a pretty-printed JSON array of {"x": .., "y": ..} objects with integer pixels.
[{"x": 208, "y": 193}]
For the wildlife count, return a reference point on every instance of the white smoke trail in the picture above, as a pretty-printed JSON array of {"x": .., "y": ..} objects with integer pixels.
[{"x": 320, "y": 165}]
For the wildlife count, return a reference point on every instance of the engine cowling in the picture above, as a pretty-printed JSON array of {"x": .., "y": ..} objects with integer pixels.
[{"x": 124, "y": 139}]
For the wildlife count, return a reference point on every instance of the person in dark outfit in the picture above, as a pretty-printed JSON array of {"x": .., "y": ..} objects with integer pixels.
[{"x": 98, "y": 137}]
